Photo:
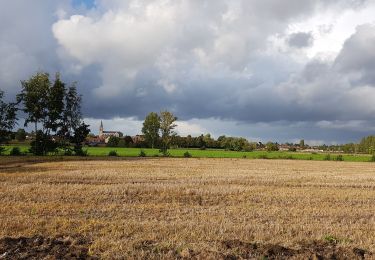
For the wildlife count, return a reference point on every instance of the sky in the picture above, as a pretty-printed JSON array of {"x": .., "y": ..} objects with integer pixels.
[{"x": 265, "y": 70}]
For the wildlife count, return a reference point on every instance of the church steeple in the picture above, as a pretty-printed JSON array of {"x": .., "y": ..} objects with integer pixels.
[{"x": 101, "y": 129}]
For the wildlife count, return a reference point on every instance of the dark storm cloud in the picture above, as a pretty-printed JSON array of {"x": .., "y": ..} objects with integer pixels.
[
  {"x": 26, "y": 41},
  {"x": 358, "y": 55}
]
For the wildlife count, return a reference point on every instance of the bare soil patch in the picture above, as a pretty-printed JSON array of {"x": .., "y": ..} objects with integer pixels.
[
  {"x": 39, "y": 247},
  {"x": 236, "y": 249}
]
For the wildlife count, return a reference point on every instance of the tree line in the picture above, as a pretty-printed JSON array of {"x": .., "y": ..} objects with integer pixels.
[
  {"x": 54, "y": 110},
  {"x": 158, "y": 132}
]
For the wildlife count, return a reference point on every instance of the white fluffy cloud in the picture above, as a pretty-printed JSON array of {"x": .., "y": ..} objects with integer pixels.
[{"x": 126, "y": 37}]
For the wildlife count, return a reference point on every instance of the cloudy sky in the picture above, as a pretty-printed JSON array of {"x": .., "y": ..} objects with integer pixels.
[{"x": 266, "y": 70}]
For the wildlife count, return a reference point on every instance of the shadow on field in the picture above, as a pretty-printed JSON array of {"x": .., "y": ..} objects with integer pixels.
[
  {"x": 20, "y": 164},
  {"x": 236, "y": 249},
  {"x": 39, "y": 247}
]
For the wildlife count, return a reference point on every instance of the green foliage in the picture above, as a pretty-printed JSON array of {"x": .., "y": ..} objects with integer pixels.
[
  {"x": 15, "y": 151},
  {"x": 167, "y": 126},
  {"x": 68, "y": 152},
  {"x": 287, "y": 157},
  {"x": 34, "y": 97},
  {"x": 151, "y": 128},
  {"x": 7, "y": 118},
  {"x": 21, "y": 135},
  {"x": 122, "y": 143},
  {"x": 235, "y": 144},
  {"x": 339, "y": 158},
  {"x": 263, "y": 156},
  {"x": 2, "y": 150},
  {"x": 271, "y": 147},
  {"x": 57, "y": 109},
  {"x": 372, "y": 159},
  {"x": 78, "y": 151},
  {"x": 79, "y": 136},
  {"x": 113, "y": 141},
  {"x": 187, "y": 155},
  {"x": 55, "y": 105},
  {"x": 43, "y": 144},
  {"x": 142, "y": 154},
  {"x": 367, "y": 145},
  {"x": 349, "y": 148},
  {"x": 327, "y": 157},
  {"x": 165, "y": 153},
  {"x": 112, "y": 153}
]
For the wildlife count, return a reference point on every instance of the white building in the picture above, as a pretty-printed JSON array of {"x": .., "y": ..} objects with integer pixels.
[{"x": 105, "y": 135}]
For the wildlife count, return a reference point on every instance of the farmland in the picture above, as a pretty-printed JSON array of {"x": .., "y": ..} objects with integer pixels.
[
  {"x": 134, "y": 152},
  {"x": 177, "y": 207}
]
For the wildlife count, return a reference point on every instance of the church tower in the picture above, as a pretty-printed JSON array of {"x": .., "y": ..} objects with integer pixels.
[{"x": 101, "y": 129}]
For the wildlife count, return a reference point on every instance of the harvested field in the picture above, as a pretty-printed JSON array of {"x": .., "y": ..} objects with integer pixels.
[{"x": 192, "y": 208}]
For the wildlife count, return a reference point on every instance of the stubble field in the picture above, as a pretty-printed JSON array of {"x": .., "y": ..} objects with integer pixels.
[{"x": 190, "y": 208}]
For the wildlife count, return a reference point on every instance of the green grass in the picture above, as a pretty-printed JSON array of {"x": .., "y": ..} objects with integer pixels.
[{"x": 196, "y": 153}]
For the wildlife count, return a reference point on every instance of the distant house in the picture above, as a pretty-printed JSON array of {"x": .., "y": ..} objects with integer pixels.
[{"x": 105, "y": 135}]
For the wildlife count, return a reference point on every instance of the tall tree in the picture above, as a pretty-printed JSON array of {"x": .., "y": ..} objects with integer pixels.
[
  {"x": 80, "y": 133},
  {"x": 71, "y": 116},
  {"x": 7, "y": 117},
  {"x": 151, "y": 128},
  {"x": 34, "y": 96},
  {"x": 57, "y": 109},
  {"x": 55, "y": 105},
  {"x": 167, "y": 126}
]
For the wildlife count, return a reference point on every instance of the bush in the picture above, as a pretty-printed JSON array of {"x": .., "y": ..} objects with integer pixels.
[
  {"x": 164, "y": 152},
  {"x": 292, "y": 149},
  {"x": 339, "y": 158},
  {"x": 15, "y": 151},
  {"x": 43, "y": 144},
  {"x": 272, "y": 147},
  {"x": 113, "y": 141},
  {"x": 68, "y": 152},
  {"x": 142, "y": 154},
  {"x": 2, "y": 150},
  {"x": 78, "y": 151},
  {"x": 187, "y": 155},
  {"x": 372, "y": 159},
  {"x": 112, "y": 153},
  {"x": 327, "y": 157}
]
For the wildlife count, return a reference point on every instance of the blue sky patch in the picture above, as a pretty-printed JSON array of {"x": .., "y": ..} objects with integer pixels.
[{"x": 87, "y": 3}]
